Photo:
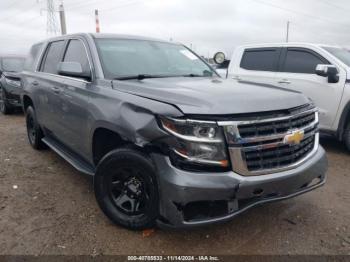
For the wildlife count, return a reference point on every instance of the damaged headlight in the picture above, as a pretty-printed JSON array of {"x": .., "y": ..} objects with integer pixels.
[{"x": 200, "y": 142}]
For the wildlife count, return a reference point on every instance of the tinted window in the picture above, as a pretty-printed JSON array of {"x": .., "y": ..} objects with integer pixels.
[
  {"x": 76, "y": 53},
  {"x": 53, "y": 55},
  {"x": 32, "y": 57},
  {"x": 12, "y": 64},
  {"x": 260, "y": 59},
  {"x": 299, "y": 61}
]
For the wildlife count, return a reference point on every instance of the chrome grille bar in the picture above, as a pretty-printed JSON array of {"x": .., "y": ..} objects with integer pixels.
[{"x": 271, "y": 149}]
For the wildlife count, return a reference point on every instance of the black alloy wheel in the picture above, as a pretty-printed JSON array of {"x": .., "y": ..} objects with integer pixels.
[{"x": 126, "y": 188}]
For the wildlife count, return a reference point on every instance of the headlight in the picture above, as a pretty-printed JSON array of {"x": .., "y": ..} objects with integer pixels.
[
  {"x": 198, "y": 142},
  {"x": 11, "y": 82}
]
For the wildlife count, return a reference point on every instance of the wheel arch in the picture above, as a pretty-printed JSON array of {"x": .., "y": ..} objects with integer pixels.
[
  {"x": 344, "y": 120},
  {"x": 26, "y": 102},
  {"x": 107, "y": 137}
]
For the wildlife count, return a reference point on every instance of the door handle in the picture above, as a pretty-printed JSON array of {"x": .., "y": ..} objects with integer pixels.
[
  {"x": 236, "y": 78},
  {"x": 35, "y": 83},
  {"x": 56, "y": 90},
  {"x": 284, "y": 81}
]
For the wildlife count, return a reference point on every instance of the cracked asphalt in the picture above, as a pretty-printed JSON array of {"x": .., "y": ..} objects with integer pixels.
[{"x": 47, "y": 207}]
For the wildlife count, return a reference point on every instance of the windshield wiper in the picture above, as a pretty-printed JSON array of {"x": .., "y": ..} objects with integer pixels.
[
  {"x": 206, "y": 73},
  {"x": 140, "y": 77},
  {"x": 193, "y": 75}
]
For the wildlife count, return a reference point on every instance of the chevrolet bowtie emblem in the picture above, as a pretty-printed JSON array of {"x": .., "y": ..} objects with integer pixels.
[{"x": 294, "y": 138}]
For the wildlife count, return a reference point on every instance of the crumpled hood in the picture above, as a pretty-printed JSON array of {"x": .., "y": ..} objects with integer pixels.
[{"x": 213, "y": 96}]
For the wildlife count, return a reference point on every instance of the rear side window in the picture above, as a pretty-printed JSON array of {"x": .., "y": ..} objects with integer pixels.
[
  {"x": 76, "y": 53},
  {"x": 52, "y": 58},
  {"x": 260, "y": 59},
  {"x": 302, "y": 61},
  {"x": 32, "y": 57}
]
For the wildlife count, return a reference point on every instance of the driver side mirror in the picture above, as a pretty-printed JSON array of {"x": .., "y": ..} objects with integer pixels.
[
  {"x": 329, "y": 71},
  {"x": 73, "y": 69}
]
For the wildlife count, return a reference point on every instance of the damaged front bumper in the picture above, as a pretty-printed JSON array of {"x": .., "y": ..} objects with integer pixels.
[{"x": 190, "y": 199}]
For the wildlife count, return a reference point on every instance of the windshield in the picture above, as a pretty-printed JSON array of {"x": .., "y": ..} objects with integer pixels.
[
  {"x": 12, "y": 64},
  {"x": 128, "y": 57},
  {"x": 341, "y": 53}
]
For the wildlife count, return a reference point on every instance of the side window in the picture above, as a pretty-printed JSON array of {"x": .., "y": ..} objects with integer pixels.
[
  {"x": 32, "y": 57},
  {"x": 76, "y": 53},
  {"x": 302, "y": 61},
  {"x": 259, "y": 59},
  {"x": 52, "y": 58}
]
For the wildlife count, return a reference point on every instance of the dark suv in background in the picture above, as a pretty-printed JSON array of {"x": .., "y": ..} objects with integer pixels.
[
  {"x": 10, "y": 83},
  {"x": 165, "y": 137}
]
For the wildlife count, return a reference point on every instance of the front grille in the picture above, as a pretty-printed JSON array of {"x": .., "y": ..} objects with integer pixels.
[
  {"x": 271, "y": 144},
  {"x": 276, "y": 127},
  {"x": 280, "y": 156}
]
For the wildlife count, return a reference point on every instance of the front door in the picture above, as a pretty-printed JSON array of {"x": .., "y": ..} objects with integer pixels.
[
  {"x": 298, "y": 73},
  {"x": 256, "y": 65},
  {"x": 73, "y": 112}
]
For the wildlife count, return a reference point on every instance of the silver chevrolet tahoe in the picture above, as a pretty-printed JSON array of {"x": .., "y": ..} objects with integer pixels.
[{"x": 167, "y": 140}]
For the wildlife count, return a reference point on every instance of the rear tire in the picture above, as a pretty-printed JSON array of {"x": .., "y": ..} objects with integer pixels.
[
  {"x": 34, "y": 132},
  {"x": 4, "y": 107},
  {"x": 126, "y": 188}
]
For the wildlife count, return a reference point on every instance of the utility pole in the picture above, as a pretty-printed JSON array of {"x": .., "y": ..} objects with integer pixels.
[
  {"x": 97, "y": 21},
  {"x": 52, "y": 25},
  {"x": 62, "y": 19},
  {"x": 287, "y": 36}
]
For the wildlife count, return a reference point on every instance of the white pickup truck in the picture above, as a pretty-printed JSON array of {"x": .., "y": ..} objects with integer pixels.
[{"x": 321, "y": 72}]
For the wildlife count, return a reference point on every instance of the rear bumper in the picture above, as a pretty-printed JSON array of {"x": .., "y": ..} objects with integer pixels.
[{"x": 194, "y": 199}]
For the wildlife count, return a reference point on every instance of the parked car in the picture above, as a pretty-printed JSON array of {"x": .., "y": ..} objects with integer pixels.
[
  {"x": 166, "y": 139},
  {"x": 321, "y": 72},
  {"x": 10, "y": 83}
]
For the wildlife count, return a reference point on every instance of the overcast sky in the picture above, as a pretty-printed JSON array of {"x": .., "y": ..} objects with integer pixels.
[{"x": 208, "y": 25}]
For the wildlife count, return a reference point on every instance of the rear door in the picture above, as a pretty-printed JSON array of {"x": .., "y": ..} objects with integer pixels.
[
  {"x": 255, "y": 64},
  {"x": 297, "y": 72},
  {"x": 48, "y": 85}
]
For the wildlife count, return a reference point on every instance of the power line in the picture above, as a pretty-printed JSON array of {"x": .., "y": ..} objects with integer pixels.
[
  {"x": 89, "y": 4},
  {"x": 311, "y": 32},
  {"x": 80, "y": 4},
  {"x": 335, "y": 6},
  {"x": 14, "y": 2},
  {"x": 120, "y": 6},
  {"x": 300, "y": 13},
  {"x": 18, "y": 12}
]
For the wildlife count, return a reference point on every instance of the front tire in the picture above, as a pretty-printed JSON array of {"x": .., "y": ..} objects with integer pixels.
[
  {"x": 34, "y": 131},
  {"x": 126, "y": 188}
]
